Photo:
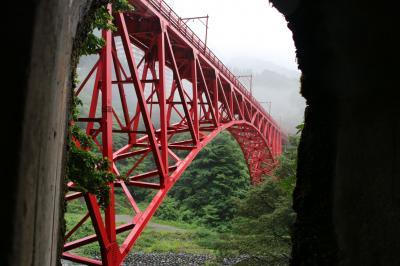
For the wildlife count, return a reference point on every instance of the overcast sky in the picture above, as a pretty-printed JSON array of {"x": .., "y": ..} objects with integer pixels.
[
  {"x": 251, "y": 28},
  {"x": 252, "y": 36}
]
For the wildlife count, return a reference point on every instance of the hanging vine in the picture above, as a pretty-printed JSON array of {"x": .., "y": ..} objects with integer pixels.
[{"x": 86, "y": 167}]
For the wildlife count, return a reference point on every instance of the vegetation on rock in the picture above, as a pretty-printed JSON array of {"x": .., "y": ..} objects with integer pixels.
[{"x": 86, "y": 167}]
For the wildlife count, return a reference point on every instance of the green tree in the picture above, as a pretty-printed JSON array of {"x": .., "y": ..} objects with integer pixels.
[
  {"x": 263, "y": 220},
  {"x": 169, "y": 210},
  {"x": 213, "y": 181}
]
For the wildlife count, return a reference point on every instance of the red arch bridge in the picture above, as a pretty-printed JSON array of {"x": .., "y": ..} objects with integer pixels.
[{"x": 172, "y": 96}]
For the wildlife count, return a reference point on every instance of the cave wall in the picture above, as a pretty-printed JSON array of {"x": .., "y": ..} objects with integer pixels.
[
  {"x": 347, "y": 196},
  {"x": 39, "y": 37}
]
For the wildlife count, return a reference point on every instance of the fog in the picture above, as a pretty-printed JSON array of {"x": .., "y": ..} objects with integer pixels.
[
  {"x": 276, "y": 87},
  {"x": 251, "y": 37}
]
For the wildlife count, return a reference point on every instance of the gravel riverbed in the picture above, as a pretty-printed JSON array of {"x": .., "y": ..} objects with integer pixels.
[
  {"x": 168, "y": 259},
  {"x": 175, "y": 259}
]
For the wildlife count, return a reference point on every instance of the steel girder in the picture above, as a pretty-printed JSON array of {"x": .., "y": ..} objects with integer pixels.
[{"x": 168, "y": 84}]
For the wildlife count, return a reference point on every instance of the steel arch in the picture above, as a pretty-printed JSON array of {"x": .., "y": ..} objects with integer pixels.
[{"x": 201, "y": 98}]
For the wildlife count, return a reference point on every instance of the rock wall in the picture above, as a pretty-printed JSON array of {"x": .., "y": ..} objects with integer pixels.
[
  {"x": 37, "y": 88},
  {"x": 347, "y": 194}
]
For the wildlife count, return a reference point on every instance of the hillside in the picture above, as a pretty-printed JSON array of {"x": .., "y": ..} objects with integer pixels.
[{"x": 276, "y": 84}]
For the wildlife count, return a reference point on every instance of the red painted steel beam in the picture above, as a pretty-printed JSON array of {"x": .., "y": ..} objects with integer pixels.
[{"x": 160, "y": 111}]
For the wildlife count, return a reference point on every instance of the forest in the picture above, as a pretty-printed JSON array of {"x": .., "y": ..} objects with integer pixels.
[{"x": 213, "y": 206}]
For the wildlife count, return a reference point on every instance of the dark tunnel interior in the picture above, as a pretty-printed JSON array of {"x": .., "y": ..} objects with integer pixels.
[{"x": 347, "y": 196}]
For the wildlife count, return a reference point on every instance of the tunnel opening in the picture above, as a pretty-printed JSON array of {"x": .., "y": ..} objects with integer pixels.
[
  {"x": 345, "y": 215},
  {"x": 122, "y": 106}
]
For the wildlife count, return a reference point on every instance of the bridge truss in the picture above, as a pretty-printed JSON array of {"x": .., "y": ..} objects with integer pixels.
[{"x": 164, "y": 120}]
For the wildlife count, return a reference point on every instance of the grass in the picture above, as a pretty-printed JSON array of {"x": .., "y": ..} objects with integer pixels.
[
  {"x": 122, "y": 205},
  {"x": 177, "y": 224},
  {"x": 176, "y": 242},
  {"x": 193, "y": 239},
  {"x": 86, "y": 229}
]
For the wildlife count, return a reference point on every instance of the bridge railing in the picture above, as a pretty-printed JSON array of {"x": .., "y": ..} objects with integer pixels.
[{"x": 185, "y": 30}]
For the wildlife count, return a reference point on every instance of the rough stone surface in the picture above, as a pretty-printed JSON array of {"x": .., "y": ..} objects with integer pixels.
[
  {"x": 40, "y": 150},
  {"x": 347, "y": 194}
]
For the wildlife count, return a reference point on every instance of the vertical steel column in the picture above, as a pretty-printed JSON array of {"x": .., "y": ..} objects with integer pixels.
[
  {"x": 98, "y": 225},
  {"x": 269, "y": 135},
  {"x": 207, "y": 93},
  {"x": 279, "y": 143},
  {"x": 177, "y": 78},
  {"x": 95, "y": 98},
  {"x": 276, "y": 143},
  {"x": 139, "y": 90},
  {"x": 214, "y": 83},
  {"x": 231, "y": 101},
  {"x": 224, "y": 99},
  {"x": 162, "y": 102},
  {"x": 241, "y": 104},
  {"x": 195, "y": 97},
  {"x": 121, "y": 88},
  {"x": 106, "y": 126},
  {"x": 138, "y": 110},
  {"x": 273, "y": 142}
]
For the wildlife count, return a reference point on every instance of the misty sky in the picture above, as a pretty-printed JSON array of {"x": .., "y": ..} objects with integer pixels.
[
  {"x": 251, "y": 28},
  {"x": 252, "y": 37}
]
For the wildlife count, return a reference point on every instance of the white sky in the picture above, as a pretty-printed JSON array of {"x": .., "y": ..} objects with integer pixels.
[{"x": 251, "y": 28}]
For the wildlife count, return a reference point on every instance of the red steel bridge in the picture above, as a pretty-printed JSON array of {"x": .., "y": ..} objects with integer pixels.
[{"x": 168, "y": 84}]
